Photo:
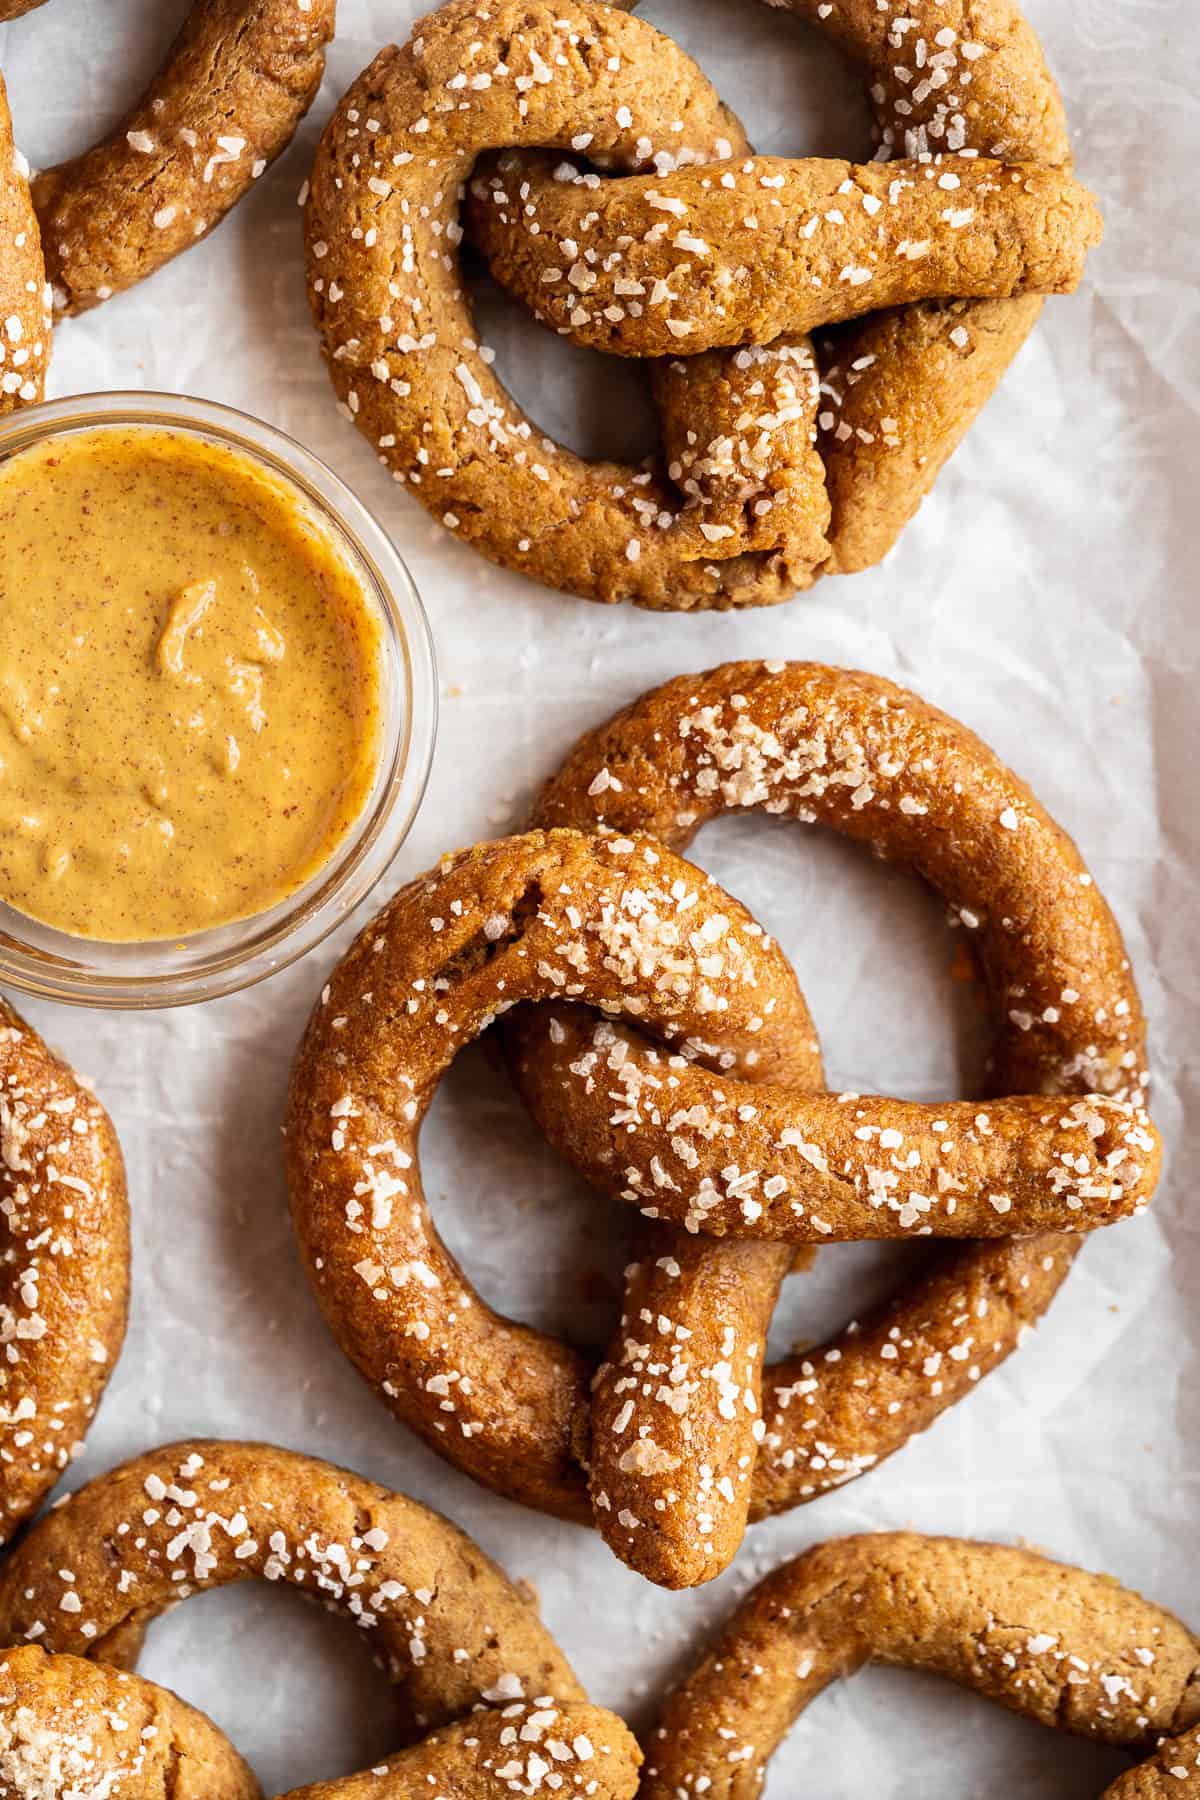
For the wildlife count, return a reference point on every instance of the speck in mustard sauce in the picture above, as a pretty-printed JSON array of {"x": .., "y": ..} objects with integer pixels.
[{"x": 191, "y": 685}]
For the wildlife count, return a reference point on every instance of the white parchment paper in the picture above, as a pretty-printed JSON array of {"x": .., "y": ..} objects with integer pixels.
[{"x": 1046, "y": 595}]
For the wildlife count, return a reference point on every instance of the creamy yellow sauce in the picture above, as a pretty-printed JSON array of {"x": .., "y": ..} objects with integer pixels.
[{"x": 191, "y": 685}]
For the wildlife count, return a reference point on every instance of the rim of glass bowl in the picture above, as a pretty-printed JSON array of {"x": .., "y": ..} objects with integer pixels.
[{"x": 52, "y": 965}]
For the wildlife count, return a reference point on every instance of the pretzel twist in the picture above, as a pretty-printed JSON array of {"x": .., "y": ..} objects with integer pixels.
[
  {"x": 877, "y": 764},
  {"x": 64, "y": 1265},
  {"x": 445, "y": 1624},
  {"x": 1056, "y": 1644},
  {"x": 667, "y": 265}
]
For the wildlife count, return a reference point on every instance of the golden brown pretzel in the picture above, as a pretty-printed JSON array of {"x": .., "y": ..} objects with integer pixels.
[
  {"x": 1070, "y": 1649},
  {"x": 697, "y": 259},
  {"x": 709, "y": 1155},
  {"x": 879, "y": 765},
  {"x": 70, "y": 1728},
  {"x": 64, "y": 1265},
  {"x": 741, "y": 519},
  {"x": 900, "y": 388},
  {"x": 25, "y": 325},
  {"x": 16, "y": 9},
  {"x": 446, "y": 1625},
  {"x": 225, "y": 102}
]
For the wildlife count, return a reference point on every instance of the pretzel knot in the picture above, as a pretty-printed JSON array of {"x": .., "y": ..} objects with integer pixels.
[
  {"x": 777, "y": 464},
  {"x": 485, "y": 1700},
  {"x": 680, "y": 1436},
  {"x": 1056, "y": 1644}
]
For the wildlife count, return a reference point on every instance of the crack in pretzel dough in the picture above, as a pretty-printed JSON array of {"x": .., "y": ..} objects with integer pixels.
[
  {"x": 1069, "y": 1649},
  {"x": 64, "y": 1265},
  {"x": 481, "y": 1688},
  {"x": 875, "y": 763}
]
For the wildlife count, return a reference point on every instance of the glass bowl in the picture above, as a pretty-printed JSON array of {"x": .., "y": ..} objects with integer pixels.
[{"x": 39, "y": 960}]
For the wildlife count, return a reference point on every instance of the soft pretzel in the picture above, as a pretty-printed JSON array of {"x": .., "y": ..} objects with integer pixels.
[
  {"x": 671, "y": 1460},
  {"x": 64, "y": 1265},
  {"x": 75, "y": 1730},
  {"x": 626, "y": 926},
  {"x": 25, "y": 325},
  {"x": 396, "y": 327},
  {"x": 901, "y": 388},
  {"x": 70, "y": 1728},
  {"x": 1059, "y": 1645},
  {"x": 446, "y": 1625},
  {"x": 231, "y": 90},
  {"x": 16, "y": 9},
  {"x": 874, "y": 762},
  {"x": 663, "y": 265}
]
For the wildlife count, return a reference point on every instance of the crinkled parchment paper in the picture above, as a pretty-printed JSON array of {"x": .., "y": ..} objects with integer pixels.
[{"x": 1045, "y": 596}]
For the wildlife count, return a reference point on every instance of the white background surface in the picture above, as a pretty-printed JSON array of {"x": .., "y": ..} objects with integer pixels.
[{"x": 1045, "y": 595}]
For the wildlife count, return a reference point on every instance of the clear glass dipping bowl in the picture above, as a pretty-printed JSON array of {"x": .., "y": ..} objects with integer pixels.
[{"x": 51, "y": 964}]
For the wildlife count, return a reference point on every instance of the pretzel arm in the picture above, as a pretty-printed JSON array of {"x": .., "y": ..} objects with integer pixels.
[
  {"x": 680, "y": 263},
  {"x": 1056, "y": 1644},
  {"x": 225, "y": 102}
]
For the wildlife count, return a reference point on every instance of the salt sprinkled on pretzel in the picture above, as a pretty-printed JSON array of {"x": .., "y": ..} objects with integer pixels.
[
  {"x": 74, "y": 1730},
  {"x": 676, "y": 1452},
  {"x": 664, "y": 265},
  {"x": 25, "y": 323},
  {"x": 874, "y": 762},
  {"x": 226, "y": 101},
  {"x": 64, "y": 1265},
  {"x": 202, "y": 1514},
  {"x": 716, "y": 1157},
  {"x": 1069, "y": 1649}
]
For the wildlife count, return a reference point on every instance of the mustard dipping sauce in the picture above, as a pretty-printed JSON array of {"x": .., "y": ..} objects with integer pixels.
[{"x": 191, "y": 685}]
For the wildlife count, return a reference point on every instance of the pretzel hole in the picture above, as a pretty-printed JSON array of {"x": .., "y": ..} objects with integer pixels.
[
  {"x": 97, "y": 76},
  {"x": 599, "y": 406},
  {"x": 794, "y": 91},
  {"x": 849, "y": 922},
  {"x": 510, "y": 1189},
  {"x": 324, "y": 1710}
]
